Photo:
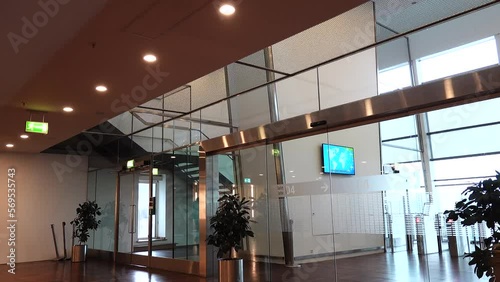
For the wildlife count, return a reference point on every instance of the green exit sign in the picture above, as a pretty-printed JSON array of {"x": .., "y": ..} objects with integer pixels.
[
  {"x": 247, "y": 180},
  {"x": 276, "y": 152},
  {"x": 37, "y": 127},
  {"x": 130, "y": 164}
]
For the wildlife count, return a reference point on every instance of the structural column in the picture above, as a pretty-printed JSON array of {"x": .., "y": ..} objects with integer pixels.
[
  {"x": 286, "y": 222},
  {"x": 208, "y": 195}
]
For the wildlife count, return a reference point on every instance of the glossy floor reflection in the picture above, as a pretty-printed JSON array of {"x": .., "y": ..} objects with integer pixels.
[
  {"x": 187, "y": 253},
  {"x": 95, "y": 271},
  {"x": 378, "y": 267}
]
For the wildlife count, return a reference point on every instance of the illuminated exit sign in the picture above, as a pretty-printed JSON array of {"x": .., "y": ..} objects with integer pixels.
[{"x": 37, "y": 127}]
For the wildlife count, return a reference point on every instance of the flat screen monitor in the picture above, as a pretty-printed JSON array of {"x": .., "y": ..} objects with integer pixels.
[{"x": 338, "y": 159}]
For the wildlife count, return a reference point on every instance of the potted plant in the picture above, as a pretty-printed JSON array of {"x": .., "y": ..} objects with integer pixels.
[
  {"x": 85, "y": 220},
  {"x": 482, "y": 205},
  {"x": 231, "y": 224}
]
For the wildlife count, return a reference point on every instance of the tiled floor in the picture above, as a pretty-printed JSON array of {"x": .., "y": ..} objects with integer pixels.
[{"x": 378, "y": 267}]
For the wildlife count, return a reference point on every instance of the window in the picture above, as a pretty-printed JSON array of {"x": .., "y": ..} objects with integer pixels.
[
  {"x": 461, "y": 59},
  {"x": 393, "y": 78},
  {"x": 457, "y": 133},
  {"x": 462, "y": 124},
  {"x": 143, "y": 211}
]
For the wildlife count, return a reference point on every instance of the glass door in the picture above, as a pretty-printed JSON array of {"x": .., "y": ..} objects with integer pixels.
[
  {"x": 176, "y": 223},
  {"x": 134, "y": 216},
  {"x": 172, "y": 206}
]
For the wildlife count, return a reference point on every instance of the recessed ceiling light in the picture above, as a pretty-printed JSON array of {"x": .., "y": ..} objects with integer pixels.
[
  {"x": 9, "y": 145},
  {"x": 101, "y": 88},
  {"x": 227, "y": 9},
  {"x": 149, "y": 58},
  {"x": 68, "y": 109},
  {"x": 172, "y": 157},
  {"x": 24, "y": 136}
]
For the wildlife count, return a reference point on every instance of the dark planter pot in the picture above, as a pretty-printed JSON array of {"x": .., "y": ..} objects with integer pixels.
[
  {"x": 79, "y": 253},
  {"x": 231, "y": 270}
]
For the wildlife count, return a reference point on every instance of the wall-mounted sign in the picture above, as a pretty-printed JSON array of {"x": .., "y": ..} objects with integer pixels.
[
  {"x": 247, "y": 180},
  {"x": 37, "y": 127}
]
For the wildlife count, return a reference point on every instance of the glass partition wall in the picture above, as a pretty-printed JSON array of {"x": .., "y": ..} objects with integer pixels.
[
  {"x": 342, "y": 216},
  {"x": 307, "y": 207}
]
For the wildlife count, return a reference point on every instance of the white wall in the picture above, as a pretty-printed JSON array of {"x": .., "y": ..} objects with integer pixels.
[
  {"x": 42, "y": 198},
  {"x": 347, "y": 80}
]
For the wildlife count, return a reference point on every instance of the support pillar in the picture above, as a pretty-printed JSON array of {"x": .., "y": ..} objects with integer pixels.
[{"x": 286, "y": 222}]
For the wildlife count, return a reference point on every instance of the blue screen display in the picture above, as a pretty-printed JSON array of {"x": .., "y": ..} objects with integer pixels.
[{"x": 338, "y": 159}]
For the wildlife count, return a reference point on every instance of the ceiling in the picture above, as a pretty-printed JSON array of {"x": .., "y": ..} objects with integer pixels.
[{"x": 54, "y": 56}]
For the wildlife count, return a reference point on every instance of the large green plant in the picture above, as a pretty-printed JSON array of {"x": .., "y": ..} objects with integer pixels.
[
  {"x": 85, "y": 220},
  {"x": 231, "y": 224},
  {"x": 482, "y": 204}
]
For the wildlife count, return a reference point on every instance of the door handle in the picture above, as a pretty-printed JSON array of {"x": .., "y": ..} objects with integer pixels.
[{"x": 132, "y": 219}]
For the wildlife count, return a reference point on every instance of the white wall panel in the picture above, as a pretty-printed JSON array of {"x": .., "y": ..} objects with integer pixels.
[
  {"x": 347, "y": 80},
  {"x": 48, "y": 191}
]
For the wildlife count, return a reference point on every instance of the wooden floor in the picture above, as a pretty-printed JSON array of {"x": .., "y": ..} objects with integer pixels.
[
  {"x": 95, "y": 271},
  {"x": 186, "y": 253},
  {"x": 372, "y": 268}
]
